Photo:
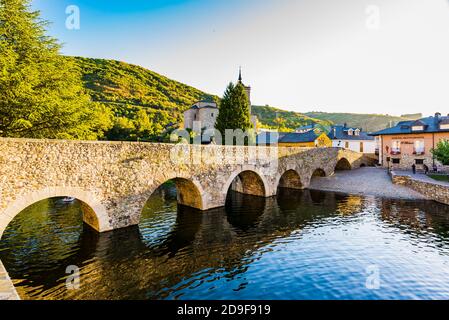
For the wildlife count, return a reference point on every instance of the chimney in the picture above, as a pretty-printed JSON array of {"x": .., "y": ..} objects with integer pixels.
[
  {"x": 345, "y": 125},
  {"x": 335, "y": 133},
  {"x": 437, "y": 117}
]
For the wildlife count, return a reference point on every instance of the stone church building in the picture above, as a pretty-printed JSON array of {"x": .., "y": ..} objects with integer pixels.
[{"x": 203, "y": 114}]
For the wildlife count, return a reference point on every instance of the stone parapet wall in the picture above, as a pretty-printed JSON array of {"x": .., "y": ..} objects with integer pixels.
[
  {"x": 431, "y": 190},
  {"x": 443, "y": 169},
  {"x": 115, "y": 179}
]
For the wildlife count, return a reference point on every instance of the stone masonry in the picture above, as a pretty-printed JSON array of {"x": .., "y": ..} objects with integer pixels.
[
  {"x": 435, "y": 190},
  {"x": 114, "y": 180},
  {"x": 7, "y": 290}
]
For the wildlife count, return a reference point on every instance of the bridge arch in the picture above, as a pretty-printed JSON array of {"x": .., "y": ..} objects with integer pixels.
[
  {"x": 247, "y": 181},
  {"x": 290, "y": 179},
  {"x": 94, "y": 212},
  {"x": 343, "y": 164},
  {"x": 189, "y": 192},
  {"x": 318, "y": 172}
]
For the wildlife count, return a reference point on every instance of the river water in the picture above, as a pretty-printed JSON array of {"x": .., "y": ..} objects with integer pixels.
[{"x": 300, "y": 245}]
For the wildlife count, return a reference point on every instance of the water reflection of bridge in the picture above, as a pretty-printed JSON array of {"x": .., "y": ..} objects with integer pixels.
[{"x": 220, "y": 240}]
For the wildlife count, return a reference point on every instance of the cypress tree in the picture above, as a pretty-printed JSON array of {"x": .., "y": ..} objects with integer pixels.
[{"x": 234, "y": 110}]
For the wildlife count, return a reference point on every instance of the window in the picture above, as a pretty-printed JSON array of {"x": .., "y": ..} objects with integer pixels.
[
  {"x": 350, "y": 132},
  {"x": 417, "y": 128},
  {"x": 212, "y": 114},
  {"x": 419, "y": 161},
  {"x": 396, "y": 161},
  {"x": 357, "y": 132},
  {"x": 396, "y": 147},
  {"x": 419, "y": 147},
  {"x": 444, "y": 126},
  {"x": 361, "y": 147},
  {"x": 347, "y": 145}
]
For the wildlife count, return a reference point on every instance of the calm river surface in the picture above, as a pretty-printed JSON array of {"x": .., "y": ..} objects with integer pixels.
[{"x": 300, "y": 245}]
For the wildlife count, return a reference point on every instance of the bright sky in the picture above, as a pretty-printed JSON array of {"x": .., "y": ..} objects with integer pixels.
[{"x": 361, "y": 56}]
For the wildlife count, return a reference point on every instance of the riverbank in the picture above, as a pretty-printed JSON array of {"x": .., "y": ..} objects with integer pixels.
[
  {"x": 7, "y": 290},
  {"x": 365, "y": 181},
  {"x": 425, "y": 185}
]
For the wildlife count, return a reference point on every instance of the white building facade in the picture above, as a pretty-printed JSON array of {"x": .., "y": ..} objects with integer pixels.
[{"x": 353, "y": 139}]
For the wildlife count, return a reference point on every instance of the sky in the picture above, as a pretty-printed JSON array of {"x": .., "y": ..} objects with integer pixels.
[{"x": 359, "y": 56}]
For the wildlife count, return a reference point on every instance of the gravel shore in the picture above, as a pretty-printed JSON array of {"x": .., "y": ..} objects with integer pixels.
[{"x": 364, "y": 181}]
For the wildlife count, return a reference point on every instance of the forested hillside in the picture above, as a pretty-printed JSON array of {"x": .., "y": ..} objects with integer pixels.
[
  {"x": 368, "y": 122},
  {"x": 144, "y": 103},
  {"x": 275, "y": 118}
]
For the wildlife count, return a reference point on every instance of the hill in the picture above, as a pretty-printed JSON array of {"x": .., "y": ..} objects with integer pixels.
[
  {"x": 275, "y": 118},
  {"x": 143, "y": 103},
  {"x": 368, "y": 122}
]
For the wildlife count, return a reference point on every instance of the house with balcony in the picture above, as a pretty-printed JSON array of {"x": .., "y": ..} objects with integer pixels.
[{"x": 411, "y": 142}]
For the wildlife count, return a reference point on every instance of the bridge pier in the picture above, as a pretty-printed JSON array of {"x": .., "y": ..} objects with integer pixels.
[{"x": 113, "y": 180}]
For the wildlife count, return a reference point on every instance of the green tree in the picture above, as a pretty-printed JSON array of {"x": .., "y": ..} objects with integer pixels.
[
  {"x": 143, "y": 124},
  {"x": 234, "y": 110},
  {"x": 123, "y": 129},
  {"x": 441, "y": 152},
  {"x": 41, "y": 93}
]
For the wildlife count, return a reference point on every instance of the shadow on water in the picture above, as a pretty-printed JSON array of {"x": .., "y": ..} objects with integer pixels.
[
  {"x": 177, "y": 249},
  {"x": 243, "y": 211}
]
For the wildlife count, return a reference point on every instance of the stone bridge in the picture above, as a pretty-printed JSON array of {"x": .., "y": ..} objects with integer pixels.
[{"x": 113, "y": 180}]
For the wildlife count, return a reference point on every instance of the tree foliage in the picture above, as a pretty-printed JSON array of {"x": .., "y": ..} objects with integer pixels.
[
  {"x": 234, "y": 110},
  {"x": 127, "y": 88},
  {"x": 41, "y": 93},
  {"x": 284, "y": 121},
  {"x": 149, "y": 101},
  {"x": 441, "y": 152}
]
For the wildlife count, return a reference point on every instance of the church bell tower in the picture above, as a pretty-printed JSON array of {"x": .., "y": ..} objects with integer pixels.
[{"x": 247, "y": 89}]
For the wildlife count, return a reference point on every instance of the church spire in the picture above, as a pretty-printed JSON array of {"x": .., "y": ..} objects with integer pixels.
[{"x": 240, "y": 75}]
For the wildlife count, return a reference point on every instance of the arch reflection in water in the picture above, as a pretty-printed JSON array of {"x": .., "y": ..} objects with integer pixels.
[
  {"x": 244, "y": 211},
  {"x": 167, "y": 225},
  {"x": 300, "y": 245}
]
